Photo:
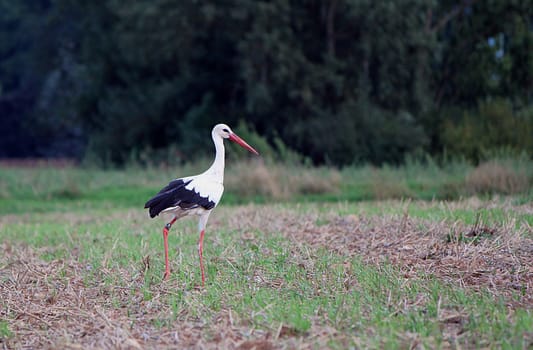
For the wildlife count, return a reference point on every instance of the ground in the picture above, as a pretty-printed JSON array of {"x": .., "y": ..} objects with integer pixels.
[{"x": 397, "y": 274}]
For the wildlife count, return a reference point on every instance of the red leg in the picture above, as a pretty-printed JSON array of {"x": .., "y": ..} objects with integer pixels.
[
  {"x": 165, "y": 238},
  {"x": 201, "y": 254}
]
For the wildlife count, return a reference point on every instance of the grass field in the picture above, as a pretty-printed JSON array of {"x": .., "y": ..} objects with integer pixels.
[{"x": 81, "y": 265}]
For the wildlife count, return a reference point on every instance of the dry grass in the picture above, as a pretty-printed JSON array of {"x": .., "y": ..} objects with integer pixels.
[
  {"x": 277, "y": 181},
  {"x": 50, "y": 305},
  {"x": 496, "y": 177},
  {"x": 386, "y": 186},
  {"x": 481, "y": 257},
  {"x": 53, "y": 304}
]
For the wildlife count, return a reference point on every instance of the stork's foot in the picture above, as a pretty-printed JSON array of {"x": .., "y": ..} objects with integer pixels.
[{"x": 166, "y": 276}]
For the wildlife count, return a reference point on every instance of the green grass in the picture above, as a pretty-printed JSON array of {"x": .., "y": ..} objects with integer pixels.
[{"x": 4, "y": 330}]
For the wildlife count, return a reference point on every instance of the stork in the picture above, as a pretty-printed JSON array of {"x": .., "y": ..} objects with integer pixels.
[{"x": 195, "y": 195}]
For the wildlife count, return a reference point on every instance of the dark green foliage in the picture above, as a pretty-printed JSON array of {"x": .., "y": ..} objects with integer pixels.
[
  {"x": 39, "y": 79},
  {"x": 486, "y": 51},
  {"x": 338, "y": 81},
  {"x": 493, "y": 126}
]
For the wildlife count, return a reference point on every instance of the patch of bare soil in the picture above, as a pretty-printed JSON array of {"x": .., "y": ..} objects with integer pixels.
[{"x": 496, "y": 258}]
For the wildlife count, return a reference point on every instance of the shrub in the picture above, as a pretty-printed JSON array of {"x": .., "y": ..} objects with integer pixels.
[
  {"x": 496, "y": 177},
  {"x": 253, "y": 178},
  {"x": 279, "y": 181},
  {"x": 492, "y": 126},
  {"x": 386, "y": 184},
  {"x": 276, "y": 150}
]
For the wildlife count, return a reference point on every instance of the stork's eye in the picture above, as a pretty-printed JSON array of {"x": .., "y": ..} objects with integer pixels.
[{"x": 225, "y": 130}]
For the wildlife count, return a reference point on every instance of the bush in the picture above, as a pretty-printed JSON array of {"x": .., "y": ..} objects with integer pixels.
[
  {"x": 280, "y": 181},
  {"x": 386, "y": 184},
  {"x": 492, "y": 126},
  {"x": 496, "y": 177},
  {"x": 276, "y": 150}
]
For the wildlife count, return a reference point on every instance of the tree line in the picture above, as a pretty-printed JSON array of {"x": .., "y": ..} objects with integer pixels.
[{"x": 338, "y": 81}]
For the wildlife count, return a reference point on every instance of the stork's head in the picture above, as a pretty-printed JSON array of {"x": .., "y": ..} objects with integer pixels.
[{"x": 224, "y": 131}]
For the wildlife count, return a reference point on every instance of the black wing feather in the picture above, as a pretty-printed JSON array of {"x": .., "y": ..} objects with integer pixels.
[{"x": 175, "y": 194}]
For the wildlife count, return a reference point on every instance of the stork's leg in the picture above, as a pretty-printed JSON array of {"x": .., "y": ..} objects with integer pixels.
[
  {"x": 201, "y": 227},
  {"x": 201, "y": 255},
  {"x": 165, "y": 238}
]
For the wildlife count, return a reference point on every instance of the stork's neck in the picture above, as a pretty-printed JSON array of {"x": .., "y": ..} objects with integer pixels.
[{"x": 216, "y": 170}]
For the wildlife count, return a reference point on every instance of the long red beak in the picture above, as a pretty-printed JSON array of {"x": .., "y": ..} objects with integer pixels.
[{"x": 233, "y": 137}]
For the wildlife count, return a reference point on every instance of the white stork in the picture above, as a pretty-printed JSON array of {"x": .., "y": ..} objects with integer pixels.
[{"x": 195, "y": 195}]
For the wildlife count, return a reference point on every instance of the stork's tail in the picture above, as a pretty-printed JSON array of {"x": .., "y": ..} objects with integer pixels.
[
  {"x": 157, "y": 204},
  {"x": 166, "y": 198}
]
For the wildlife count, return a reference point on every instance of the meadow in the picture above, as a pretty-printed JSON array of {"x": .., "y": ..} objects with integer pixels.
[{"x": 418, "y": 256}]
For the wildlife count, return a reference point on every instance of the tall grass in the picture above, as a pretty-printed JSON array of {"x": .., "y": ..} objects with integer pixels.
[
  {"x": 455, "y": 178},
  {"x": 501, "y": 175},
  {"x": 262, "y": 180},
  {"x": 281, "y": 181}
]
